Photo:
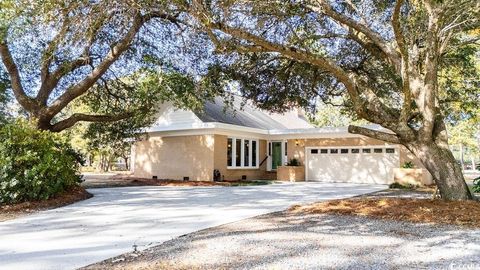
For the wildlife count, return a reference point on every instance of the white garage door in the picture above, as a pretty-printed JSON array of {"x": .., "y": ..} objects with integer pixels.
[{"x": 352, "y": 164}]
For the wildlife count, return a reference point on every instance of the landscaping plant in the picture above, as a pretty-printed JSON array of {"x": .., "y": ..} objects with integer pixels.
[
  {"x": 35, "y": 165},
  {"x": 294, "y": 162},
  {"x": 408, "y": 165},
  {"x": 476, "y": 182}
]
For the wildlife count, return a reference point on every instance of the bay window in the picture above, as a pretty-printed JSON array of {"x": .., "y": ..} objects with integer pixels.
[{"x": 242, "y": 153}]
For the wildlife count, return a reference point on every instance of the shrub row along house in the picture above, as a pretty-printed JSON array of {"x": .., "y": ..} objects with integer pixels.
[{"x": 249, "y": 143}]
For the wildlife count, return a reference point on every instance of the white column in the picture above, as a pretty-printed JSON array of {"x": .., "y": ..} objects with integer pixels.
[{"x": 234, "y": 152}]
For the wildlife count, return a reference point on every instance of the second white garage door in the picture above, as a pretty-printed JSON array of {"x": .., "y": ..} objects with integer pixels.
[{"x": 352, "y": 164}]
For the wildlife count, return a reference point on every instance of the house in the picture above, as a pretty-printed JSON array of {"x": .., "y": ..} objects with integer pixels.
[{"x": 249, "y": 143}]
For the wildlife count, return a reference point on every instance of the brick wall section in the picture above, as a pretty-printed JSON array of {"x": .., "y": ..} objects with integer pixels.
[{"x": 175, "y": 157}]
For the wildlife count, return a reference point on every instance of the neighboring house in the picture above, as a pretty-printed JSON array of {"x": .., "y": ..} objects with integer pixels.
[{"x": 249, "y": 143}]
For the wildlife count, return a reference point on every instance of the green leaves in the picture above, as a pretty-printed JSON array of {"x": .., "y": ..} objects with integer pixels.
[{"x": 35, "y": 165}]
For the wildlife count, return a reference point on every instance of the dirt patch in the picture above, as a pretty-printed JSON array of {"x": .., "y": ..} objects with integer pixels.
[
  {"x": 21, "y": 209},
  {"x": 466, "y": 213},
  {"x": 126, "y": 181}
]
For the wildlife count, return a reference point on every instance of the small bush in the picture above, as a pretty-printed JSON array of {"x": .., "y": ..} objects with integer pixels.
[
  {"x": 476, "y": 185},
  {"x": 34, "y": 164},
  {"x": 293, "y": 162},
  {"x": 402, "y": 186},
  {"x": 408, "y": 165}
]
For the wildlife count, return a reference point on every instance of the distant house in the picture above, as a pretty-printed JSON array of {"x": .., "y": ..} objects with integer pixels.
[{"x": 249, "y": 143}]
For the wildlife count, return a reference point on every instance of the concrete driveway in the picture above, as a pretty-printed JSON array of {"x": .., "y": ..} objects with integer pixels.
[{"x": 117, "y": 219}]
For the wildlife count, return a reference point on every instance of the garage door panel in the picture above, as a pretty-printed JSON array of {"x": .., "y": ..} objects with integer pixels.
[{"x": 352, "y": 167}]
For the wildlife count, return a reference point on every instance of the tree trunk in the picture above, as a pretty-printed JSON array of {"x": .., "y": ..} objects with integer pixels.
[
  {"x": 126, "y": 163},
  {"x": 446, "y": 172}
]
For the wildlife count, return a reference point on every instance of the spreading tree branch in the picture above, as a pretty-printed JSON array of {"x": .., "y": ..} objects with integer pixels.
[
  {"x": 379, "y": 135},
  {"x": 77, "y": 117},
  {"x": 324, "y": 7},
  {"x": 17, "y": 87},
  {"x": 115, "y": 52}
]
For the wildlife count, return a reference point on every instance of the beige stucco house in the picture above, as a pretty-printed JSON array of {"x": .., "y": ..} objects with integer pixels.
[{"x": 248, "y": 143}]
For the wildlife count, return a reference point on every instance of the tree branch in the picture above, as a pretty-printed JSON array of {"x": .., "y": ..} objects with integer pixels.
[
  {"x": 116, "y": 51},
  {"x": 326, "y": 8},
  {"x": 15, "y": 78},
  {"x": 77, "y": 117},
  {"x": 375, "y": 134}
]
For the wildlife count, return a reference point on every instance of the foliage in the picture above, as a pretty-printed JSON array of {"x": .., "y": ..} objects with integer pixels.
[
  {"x": 328, "y": 115},
  {"x": 293, "y": 162},
  {"x": 408, "y": 165},
  {"x": 476, "y": 182},
  {"x": 141, "y": 92},
  {"x": 396, "y": 185},
  {"x": 56, "y": 52},
  {"x": 35, "y": 165},
  {"x": 4, "y": 98},
  {"x": 383, "y": 59},
  {"x": 465, "y": 132}
]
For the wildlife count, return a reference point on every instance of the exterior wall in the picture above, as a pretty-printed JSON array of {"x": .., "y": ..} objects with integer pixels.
[
  {"x": 197, "y": 156},
  {"x": 175, "y": 157},
  {"x": 412, "y": 177},
  {"x": 220, "y": 161},
  {"x": 291, "y": 173},
  {"x": 424, "y": 178}
]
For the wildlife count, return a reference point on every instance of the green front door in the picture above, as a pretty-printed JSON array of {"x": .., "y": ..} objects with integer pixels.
[{"x": 276, "y": 155}]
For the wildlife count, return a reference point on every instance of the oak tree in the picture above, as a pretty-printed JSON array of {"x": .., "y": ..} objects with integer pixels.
[
  {"x": 55, "y": 52},
  {"x": 384, "y": 56}
]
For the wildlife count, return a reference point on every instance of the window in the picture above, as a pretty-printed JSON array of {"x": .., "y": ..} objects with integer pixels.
[
  {"x": 355, "y": 151},
  {"x": 229, "y": 152},
  {"x": 333, "y": 151},
  {"x": 254, "y": 153},
  {"x": 238, "y": 153},
  {"x": 242, "y": 153},
  {"x": 378, "y": 150},
  {"x": 314, "y": 151},
  {"x": 344, "y": 151},
  {"x": 323, "y": 151},
  {"x": 285, "y": 148},
  {"x": 366, "y": 151},
  {"x": 390, "y": 150}
]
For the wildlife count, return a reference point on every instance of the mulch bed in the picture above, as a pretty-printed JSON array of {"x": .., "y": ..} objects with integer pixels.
[
  {"x": 126, "y": 181},
  {"x": 462, "y": 213},
  {"x": 20, "y": 209}
]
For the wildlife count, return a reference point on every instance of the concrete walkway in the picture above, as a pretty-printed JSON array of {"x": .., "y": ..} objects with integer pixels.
[{"x": 117, "y": 219}]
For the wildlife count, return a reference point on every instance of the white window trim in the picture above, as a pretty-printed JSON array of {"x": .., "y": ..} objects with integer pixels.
[{"x": 242, "y": 153}]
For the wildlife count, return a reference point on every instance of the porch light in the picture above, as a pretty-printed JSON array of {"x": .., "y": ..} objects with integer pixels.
[{"x": 297, "y": 142}]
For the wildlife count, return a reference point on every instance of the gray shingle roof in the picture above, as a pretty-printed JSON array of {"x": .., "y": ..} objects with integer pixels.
[{"x": 247, "y": 116}]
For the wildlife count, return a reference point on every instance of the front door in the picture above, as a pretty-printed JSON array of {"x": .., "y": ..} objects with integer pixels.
[{"x": 276, "y": 155}]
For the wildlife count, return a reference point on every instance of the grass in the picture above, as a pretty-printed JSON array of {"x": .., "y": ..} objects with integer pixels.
[{"x": 461, "y": 213}]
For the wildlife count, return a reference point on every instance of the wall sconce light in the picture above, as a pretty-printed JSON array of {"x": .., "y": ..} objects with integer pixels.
[{"x": 297, "y": 142}]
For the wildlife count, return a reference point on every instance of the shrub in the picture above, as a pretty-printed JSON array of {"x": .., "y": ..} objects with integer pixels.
[
  {"x": 476, "y": 185},
  {"x": 293, "y": 162},
  {"x": 397, "y": 185},
  {"x": 408, "y": 165},
  {"x": 34, "y": 164}
]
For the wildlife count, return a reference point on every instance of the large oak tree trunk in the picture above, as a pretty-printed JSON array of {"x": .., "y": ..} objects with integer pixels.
[{"x": 446, "y": 172}]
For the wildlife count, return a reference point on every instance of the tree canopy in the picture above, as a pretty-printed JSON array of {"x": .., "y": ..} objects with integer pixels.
[
  {"x": 58, "y": 51},
  {"x": 384, "y": 56}
]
